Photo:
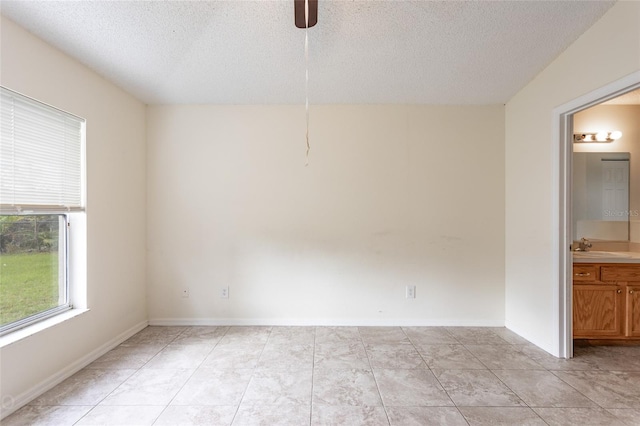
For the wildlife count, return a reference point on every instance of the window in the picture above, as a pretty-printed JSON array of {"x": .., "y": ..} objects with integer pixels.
[{"x": 41, "y": 189}]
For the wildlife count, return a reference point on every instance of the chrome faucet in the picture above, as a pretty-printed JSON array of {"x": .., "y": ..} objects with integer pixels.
[{"x": 583, "y": 245}]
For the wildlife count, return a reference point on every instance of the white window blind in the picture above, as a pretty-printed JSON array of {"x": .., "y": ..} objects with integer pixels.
[{"x": 41, "y": 153}]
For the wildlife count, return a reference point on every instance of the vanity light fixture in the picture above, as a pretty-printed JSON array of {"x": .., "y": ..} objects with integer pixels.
[{"x": 599, "y": 137}]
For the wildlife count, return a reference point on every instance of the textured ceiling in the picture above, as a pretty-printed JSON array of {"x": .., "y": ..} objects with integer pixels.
[{"x": 250, "y": 52}]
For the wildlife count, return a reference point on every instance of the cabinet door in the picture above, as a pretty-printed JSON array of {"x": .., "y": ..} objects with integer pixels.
[
  {"x": 633, "y": 310},
  {"x": 597, "y": 311}
]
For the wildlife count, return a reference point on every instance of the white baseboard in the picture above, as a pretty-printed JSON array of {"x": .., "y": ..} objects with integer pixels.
[
  {"x": 323, "y": 322},
  {"x": 24, "y": 398}
]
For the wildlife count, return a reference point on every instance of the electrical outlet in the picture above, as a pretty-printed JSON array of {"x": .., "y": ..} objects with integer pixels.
[
  {"x": 224, "y": 292},
  {"x": 185, "y": 293},
  {"x": 411, "y": 292}
]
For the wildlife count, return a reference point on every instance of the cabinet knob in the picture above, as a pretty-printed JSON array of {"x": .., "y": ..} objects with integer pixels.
[
  {"x": 630, "y": 291},
  {"x": 583, "y": 274},
  {"x": 619, "y": 291}
]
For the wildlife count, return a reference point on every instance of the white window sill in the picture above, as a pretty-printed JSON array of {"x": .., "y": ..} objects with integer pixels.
[{"x": 28, "y": 331}]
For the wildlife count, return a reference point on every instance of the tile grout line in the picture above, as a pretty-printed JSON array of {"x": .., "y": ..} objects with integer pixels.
[
  {"x": 131, "y": 375},
  {"x": 438, "y": 380},
  {"x": 375, "y": 379},
  {"x": 313, "y": 370},
  {"x": 185, "y": 382},
  {"x": 106, "y": 396},
  {"x": 255, "y": 368},
  {"x": 573, "y": 387},
  {"x": 194, "y": 370},
  {"x": 516, "y": 394},
  {"x": 487, "y": 368},
  {"x": 508, "y": 387}
]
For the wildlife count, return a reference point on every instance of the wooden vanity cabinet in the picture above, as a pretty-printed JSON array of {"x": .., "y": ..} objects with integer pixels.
[{"x": 606, "y": 301}]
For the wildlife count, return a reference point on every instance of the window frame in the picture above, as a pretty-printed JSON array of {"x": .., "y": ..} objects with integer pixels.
[
  {"x": 73, "y": 265},
  {"x": 63, "y": 281}
]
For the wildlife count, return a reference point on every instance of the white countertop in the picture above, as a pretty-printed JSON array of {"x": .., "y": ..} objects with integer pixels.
[{"x": 606, "y": 257}]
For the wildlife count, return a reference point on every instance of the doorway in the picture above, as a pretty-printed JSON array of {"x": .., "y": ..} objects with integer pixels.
[{"x": 563, "y": 166}]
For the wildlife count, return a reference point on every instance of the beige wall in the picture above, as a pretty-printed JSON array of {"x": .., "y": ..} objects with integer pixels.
[
  {"x": 531, "y": 268},
  {"x": 392, "y": 196},
  {"x": 115, "y": 211},
  {"x": 625, "y": 118}
]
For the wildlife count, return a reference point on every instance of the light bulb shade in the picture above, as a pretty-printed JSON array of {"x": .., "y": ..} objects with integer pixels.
[
  {"x": 615, "y": 135},
  {"x": 597, "y": 137}
]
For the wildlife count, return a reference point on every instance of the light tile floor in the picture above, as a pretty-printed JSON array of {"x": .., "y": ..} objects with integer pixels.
[{"x": 342, "y": 376}]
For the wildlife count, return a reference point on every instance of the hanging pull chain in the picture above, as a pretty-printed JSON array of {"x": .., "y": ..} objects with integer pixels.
[{"x": 306, "y": 82}]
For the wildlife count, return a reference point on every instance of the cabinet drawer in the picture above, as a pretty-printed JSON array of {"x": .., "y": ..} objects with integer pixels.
[
  {"x": 620, "y": 273},
  {"x": 585, "y": 273}
]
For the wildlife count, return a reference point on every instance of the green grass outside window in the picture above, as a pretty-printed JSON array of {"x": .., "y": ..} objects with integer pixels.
[{"x": 28, "y": 284}]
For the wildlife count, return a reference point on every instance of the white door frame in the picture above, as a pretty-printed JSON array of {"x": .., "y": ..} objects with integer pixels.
[{"x": 562, "y": 151}]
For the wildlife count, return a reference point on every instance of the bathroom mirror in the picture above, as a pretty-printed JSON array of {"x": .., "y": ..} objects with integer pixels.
[{"x": 601, "y": 195}]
